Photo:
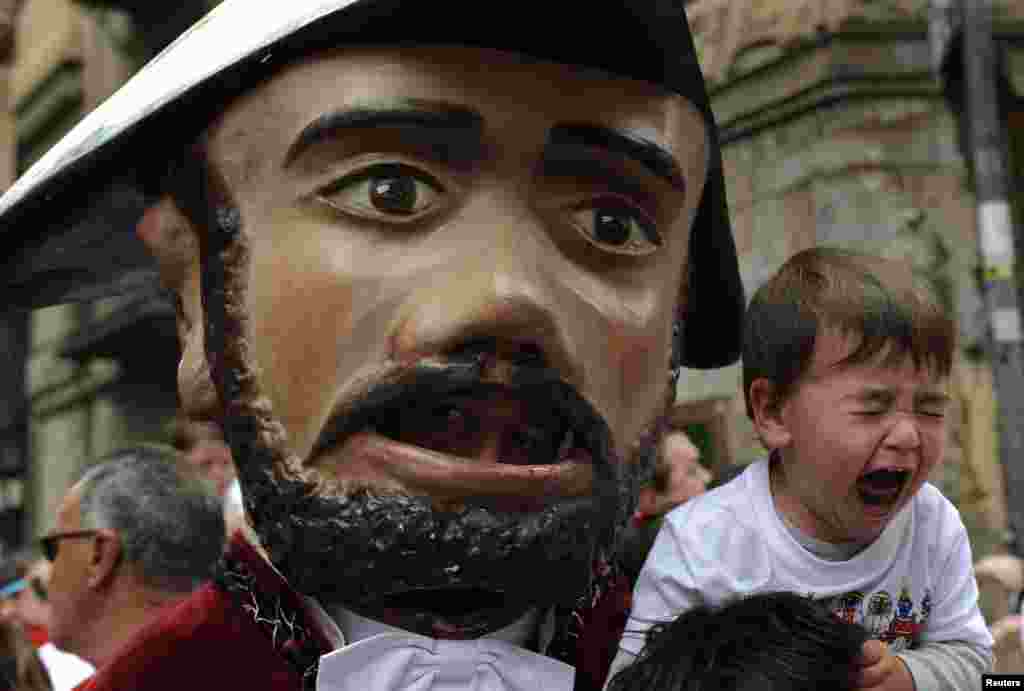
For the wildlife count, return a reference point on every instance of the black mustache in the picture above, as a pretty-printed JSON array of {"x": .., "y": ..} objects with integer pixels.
[{"x": 436, "y": 379}]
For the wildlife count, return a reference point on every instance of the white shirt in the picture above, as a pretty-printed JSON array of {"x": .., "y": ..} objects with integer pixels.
[
  {"x": 376, "y": 656},
  {"x": 913, "y": 586},
  {"x": 915, "y": 583}
]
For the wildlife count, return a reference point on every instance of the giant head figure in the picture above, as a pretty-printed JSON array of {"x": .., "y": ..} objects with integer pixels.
[{"x": 436, "y": 264}]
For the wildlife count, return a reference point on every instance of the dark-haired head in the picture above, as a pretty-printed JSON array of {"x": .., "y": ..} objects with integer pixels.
[
  {"x": 765, "y": 642},
  {"x": 880, "y": 304}
]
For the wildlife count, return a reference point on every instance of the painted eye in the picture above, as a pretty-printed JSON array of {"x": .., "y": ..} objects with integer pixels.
[
  {"x": 616, "y": 226},
  {"x": 384, "y": 191}
]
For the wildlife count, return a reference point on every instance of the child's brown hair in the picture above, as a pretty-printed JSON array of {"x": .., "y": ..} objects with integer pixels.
[{"x": 881, "y": 302}]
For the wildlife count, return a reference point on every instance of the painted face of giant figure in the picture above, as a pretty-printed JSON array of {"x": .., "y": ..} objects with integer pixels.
[{"x": 439, "y": 315}]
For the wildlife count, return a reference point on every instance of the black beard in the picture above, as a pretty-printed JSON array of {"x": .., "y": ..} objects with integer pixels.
[
  {"x": 394, "y": 558},
  {"x": 460, "y": 573}
]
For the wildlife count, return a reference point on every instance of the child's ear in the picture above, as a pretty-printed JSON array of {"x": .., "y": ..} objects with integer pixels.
[{"x": 767, "y": 410}]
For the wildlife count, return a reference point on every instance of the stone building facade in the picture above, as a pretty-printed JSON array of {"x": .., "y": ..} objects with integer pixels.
[
  {"x": 835, "y": 129},
  {"x": 93, "y": 376}
]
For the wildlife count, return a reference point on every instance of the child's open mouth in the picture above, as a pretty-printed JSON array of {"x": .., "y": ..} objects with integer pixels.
[{"x": 882, "y": 487}]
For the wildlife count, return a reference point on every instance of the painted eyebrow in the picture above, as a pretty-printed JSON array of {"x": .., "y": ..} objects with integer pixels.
[
  {"x": 568, "y": 138},
  {"x": 456, "y": 131}
]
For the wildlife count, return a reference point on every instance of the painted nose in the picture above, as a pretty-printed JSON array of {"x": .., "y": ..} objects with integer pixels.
[
  {"x": 494, "y": 332},
  {"x": 517, "y": 331},
  {"x": 502, "y": 301}
]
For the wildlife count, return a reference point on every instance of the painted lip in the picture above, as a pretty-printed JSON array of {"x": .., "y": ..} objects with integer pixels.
[
  {"x": 455, "y": 482},
  {"x": 351, "y": 439}
]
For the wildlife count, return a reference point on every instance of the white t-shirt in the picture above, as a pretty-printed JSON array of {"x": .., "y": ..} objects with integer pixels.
[{"x": 914, "y": 584}]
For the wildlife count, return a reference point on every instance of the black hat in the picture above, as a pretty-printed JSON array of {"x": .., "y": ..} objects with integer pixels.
[{"x": 67, "y": 225}]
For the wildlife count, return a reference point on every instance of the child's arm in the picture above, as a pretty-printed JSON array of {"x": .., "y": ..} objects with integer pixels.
[
  {"x": 948, "y": 666},
  {"x": 955, "y": 647},
  {"x": 704, "y": 557},
  {"x": 664, "y": 589}
]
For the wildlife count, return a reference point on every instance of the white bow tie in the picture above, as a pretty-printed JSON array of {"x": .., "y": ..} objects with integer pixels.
[{"x": 408, "y": 662}]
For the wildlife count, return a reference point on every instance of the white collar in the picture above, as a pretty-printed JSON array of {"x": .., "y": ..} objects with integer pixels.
[
  {"x": 376, "y": 656},
  {"x": 355, "y": 628}
]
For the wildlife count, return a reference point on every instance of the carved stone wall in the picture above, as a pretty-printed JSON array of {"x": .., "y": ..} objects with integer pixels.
[{"x": 725, "y": 29}]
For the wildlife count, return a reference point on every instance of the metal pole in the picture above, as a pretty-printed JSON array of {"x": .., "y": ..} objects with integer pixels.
[
  {"x": 997, "y": 242},
  {"x": 943, "y": 24}
]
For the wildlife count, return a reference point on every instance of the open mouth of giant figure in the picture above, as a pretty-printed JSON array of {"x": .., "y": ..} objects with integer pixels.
[{"x": 507, "y": 488}]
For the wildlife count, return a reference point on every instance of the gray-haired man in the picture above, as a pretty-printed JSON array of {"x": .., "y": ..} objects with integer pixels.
[{"x": 131, "y": 537}]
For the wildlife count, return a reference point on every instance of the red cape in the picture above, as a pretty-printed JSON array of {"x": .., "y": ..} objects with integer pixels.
[{"x": 206, "y": 642}]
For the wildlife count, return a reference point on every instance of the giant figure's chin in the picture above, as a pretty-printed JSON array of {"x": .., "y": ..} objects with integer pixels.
[{"x": 442, "y": 569}]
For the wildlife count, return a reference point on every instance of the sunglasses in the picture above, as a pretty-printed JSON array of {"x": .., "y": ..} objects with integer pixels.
[{"x": 50, "y": 543}]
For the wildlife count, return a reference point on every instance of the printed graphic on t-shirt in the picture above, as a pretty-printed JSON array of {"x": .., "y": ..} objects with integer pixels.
[{"x": 898, "y": 623}]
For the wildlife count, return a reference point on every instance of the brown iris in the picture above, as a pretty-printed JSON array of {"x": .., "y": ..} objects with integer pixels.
[
  {"x": 394, "y": 194},
  {"x": 611, "y": 227}
]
